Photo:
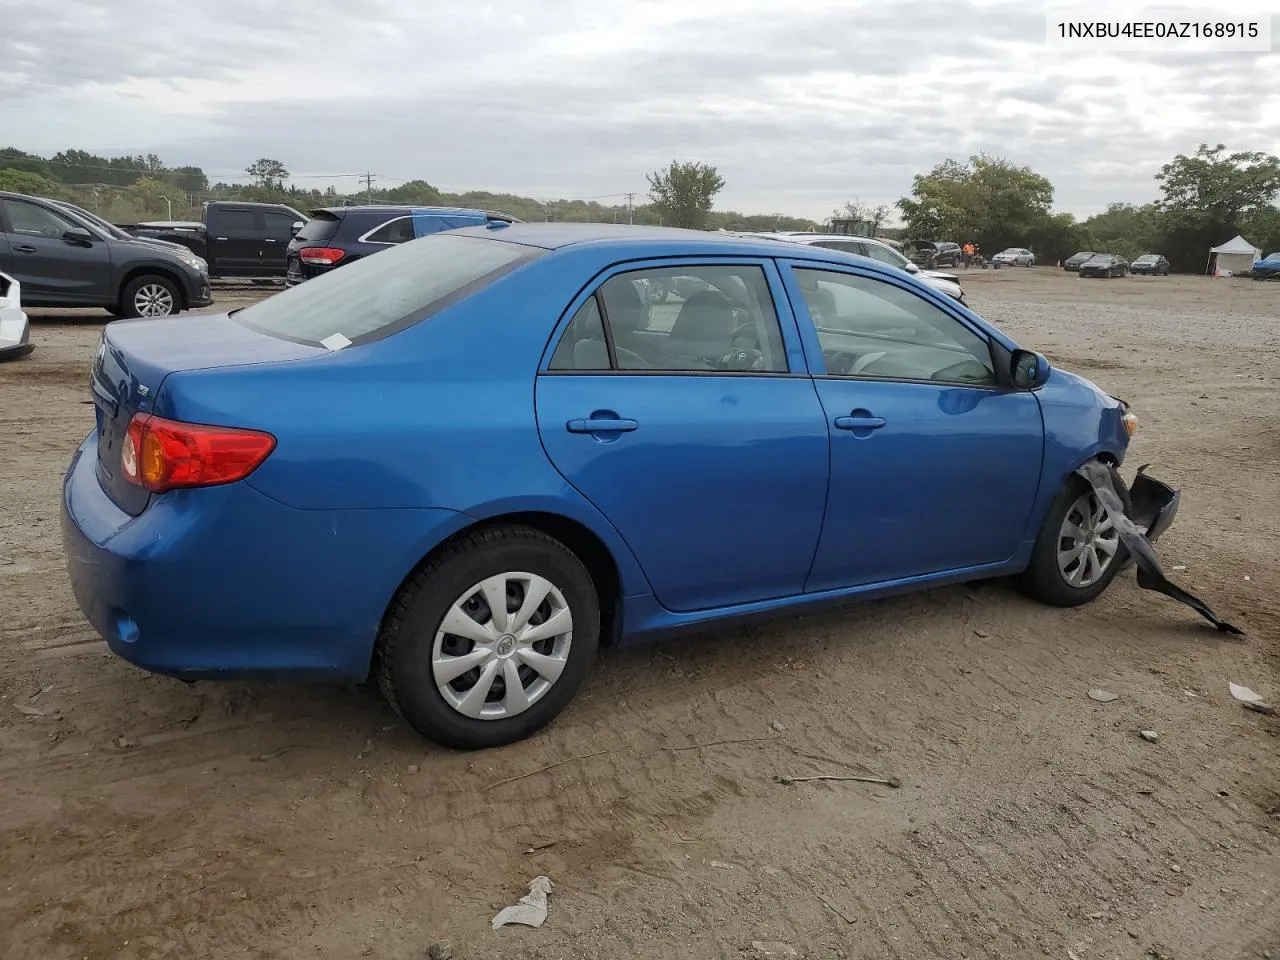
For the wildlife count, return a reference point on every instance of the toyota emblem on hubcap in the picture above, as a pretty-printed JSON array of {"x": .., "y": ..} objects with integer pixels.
[{"x": 506, "y": 643}]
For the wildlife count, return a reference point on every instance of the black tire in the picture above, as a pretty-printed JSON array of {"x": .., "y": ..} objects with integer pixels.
[
  {"x": 402, "y": 660},
  {"x": 1042, "y": 580},
  {"x": 131, "y": 301}
]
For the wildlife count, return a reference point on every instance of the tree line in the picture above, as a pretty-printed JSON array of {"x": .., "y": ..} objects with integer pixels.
[{"x": 1206, "y": 198}]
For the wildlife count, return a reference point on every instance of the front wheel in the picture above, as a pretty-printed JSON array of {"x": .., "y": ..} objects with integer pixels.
[
  {"x": 1078, "y": 551},
  {"x": 490, "y": 639},
  {"x": 150, "y": 296}
]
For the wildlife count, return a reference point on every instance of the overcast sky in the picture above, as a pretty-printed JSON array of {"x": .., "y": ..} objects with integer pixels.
[{"x": 802, "y": 104}]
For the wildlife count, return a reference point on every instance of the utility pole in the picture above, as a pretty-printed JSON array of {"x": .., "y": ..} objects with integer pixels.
[
  {"x": 631, "y": 210},
  {"x": 368, "y": 179}
]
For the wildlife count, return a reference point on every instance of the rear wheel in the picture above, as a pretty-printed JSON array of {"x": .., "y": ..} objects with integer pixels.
[
  {"x": 490, "y": 639},
  {"x": 1078, "y": 551},
  {"x": 150, "y": 296}
]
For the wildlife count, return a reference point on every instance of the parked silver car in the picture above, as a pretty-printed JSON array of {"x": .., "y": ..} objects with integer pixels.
[
  {"x": 15, "y": 332},
  {"x": 947, "y": 283},
  {"x": 1015, "y": 257}
]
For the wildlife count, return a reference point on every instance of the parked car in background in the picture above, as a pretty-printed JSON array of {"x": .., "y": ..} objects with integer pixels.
[
  {"x": 337, "y": 236},
  {"x": 64, "y": 260},
  {"x": 15, "y": 329},
  {"x": 449, "y": 466},
  {"x": 947, "y": 283},
  {"x": 1104, "y": 265},
  {"x": 1150, "y": 263},
  {"x": 117, "y": 233},
  {"x": 1015, "y": 257},
  {"x": 1267, "y": 268},
  {"x": 1073, "y": 262},
  {"x": 236, "y": 239},
  {"x": 930, "y": 254}
]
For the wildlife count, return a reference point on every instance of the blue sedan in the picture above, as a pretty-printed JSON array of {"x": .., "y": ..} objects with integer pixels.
[{"x": 464, "y": 464}]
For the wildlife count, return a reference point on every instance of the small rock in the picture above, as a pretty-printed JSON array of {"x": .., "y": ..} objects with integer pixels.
[
  {"x": 366, "y": 749},
  {"x": 1179, "y": 567},
  {"x": 1175, "y": 868},
  {"x": 773, "y": 948},
  {"x": 1132, "y": 933},
  {"x": 413, "y": 768},
  {"x": 981, "y": 634},
  {"x": 1096, "y": 915},
  {"x": 778, "y": 726},
  {"x": 440, "y": 950},
  {"x": 1246, "y": 576},
  {"x": 1102, "y": 696},
  {"x": 28, "y": 711},
  {"x": 124, "y": 743},
  {"x": 239, "y": 895},
  {"x": 1149, "y": 735}
]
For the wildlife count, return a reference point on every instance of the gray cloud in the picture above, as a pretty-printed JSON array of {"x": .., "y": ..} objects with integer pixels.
[{"x": 800, "y": 107}]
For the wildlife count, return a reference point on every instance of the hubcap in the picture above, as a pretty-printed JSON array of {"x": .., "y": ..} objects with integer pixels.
[
  {"x": 502, "y": 646},
  {"x": 153, "y": 300},
  {"x": 1087, "y": 542}
]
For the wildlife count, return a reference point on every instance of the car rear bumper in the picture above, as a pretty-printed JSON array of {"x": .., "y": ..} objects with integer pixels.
[{"x": 225, "y": 582}]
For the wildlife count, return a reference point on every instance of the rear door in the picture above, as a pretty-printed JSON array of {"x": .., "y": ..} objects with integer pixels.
[
  {"x": 235, "y": 241},
  {"x": 51, "y": 269},
  {"x": 693, "y": 426},
  {"x": 934, "y": 466},
  {"x": 277, "y": 232}
]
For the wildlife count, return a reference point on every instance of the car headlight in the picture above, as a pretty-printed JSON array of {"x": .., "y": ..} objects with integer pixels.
[{"x": 1130, "y": 422}]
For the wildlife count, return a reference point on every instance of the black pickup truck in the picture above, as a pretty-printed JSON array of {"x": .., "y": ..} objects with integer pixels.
[{"x": 236, "y": 239}]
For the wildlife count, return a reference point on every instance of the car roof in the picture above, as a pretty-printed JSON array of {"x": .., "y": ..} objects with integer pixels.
[
  {"x": 555, "y": 236},
  {"x": 402, "y": 210}
]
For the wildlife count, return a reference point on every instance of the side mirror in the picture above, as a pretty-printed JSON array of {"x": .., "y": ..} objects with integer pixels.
[
  {"x": 77, "y": 235},
  {"x": 297, "y": 225},
  {"x": 911, "y": 267},
  {"x": 1030, "y": 370}
]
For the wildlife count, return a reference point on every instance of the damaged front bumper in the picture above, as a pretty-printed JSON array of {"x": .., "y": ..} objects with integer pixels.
[{"x": 1152, "y": 504}]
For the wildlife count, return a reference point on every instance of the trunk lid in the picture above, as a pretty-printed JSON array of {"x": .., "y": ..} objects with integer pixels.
[{"x": 132, "y": 361}]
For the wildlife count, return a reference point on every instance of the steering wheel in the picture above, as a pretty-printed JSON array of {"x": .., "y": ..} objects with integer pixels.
[
  {"x": 840, "y": 362},
  {"x": 865, "y": 361}
]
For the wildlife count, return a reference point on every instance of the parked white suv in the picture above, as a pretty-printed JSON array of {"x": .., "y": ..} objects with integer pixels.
[
  {"x": 947, "y": 283},
  {"x": 14, "y": 332}
]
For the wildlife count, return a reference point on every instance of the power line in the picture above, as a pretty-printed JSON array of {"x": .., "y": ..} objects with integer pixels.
[{"x": 368, "y": 185}]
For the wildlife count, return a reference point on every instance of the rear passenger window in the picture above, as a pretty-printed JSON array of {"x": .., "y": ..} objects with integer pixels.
[
  {"x": 399, "y": 230},
  {"x": 685, "y": 319}
]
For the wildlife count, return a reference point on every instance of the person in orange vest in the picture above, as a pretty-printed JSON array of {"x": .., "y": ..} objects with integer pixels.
[{"x": 968, "y": 254}]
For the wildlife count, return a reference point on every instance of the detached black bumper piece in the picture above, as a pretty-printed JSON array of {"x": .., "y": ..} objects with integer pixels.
[{"x": 1152, "y": 506}]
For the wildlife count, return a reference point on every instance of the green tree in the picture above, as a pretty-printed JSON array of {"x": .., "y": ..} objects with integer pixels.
[
  {"x": 13, "y": 159},
  {"x": 1126, "y": 229},
  {"x": 855, "y": 209},
  {"x": 32, "y": 184},
  {"x": 1208, "y": 197},
  {"x": 414, "y": 191},
  {"x": 988, "y": 200},
  {"x": 267, "y": 174},
  {"x": 683, "y": 193},
  {"x": 153, "y": 199}
]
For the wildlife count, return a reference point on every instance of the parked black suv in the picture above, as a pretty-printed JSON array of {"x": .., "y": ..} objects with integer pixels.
[
  {"x": 338, "y": 235},
  {"x": 943, "y": 253},
  {"x": 64, "y": 260}
]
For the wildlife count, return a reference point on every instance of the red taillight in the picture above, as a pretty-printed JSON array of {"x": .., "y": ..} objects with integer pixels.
[
  {"x": 162, "y": 454},
  {"x": 322, "y": 256}
]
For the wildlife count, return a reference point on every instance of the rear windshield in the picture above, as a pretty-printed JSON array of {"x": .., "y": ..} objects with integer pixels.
[
  {"x": 385, "y": 292},
  {"x": 320, "y": 227}
]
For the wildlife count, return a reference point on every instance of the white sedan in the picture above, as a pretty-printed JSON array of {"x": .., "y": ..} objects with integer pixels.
[
  {"x": 1015, "y": 257},
  {"x": 14, "y": 329},
  {"x": 947, "y": 283}
]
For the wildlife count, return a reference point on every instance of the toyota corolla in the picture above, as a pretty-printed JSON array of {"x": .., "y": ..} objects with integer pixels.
[{"x": 464, "y": 464}]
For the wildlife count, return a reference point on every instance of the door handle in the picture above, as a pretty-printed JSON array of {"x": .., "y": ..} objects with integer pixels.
[
  {"x": 219, "y": 238},
  {"x": 267, "y": 240},
  {"x": 859, "y": 423},
  {"x": 24, "y": 248},
  {"x": 601, "y": 425}
]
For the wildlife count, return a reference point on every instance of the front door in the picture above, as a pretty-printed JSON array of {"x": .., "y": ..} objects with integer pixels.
[
  {"x": 277, "y": 232},
  {"x": 689, "y": 421},
  {"x": 52, "y": 269},
  {"x": 235, "y": 242},
  {"x": 934, "y": 466}
]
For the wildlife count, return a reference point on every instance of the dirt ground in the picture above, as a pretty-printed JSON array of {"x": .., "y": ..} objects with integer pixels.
[{"x": 142, "y": 818}]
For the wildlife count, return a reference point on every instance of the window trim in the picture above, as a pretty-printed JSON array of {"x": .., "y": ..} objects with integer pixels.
[
  {"x": 793, "y": 349},
  {"x": 809, "y": 331},
  {"x": 364, "y": 237}
]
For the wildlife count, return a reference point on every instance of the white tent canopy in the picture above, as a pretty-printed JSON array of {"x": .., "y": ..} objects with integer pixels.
[{"x": 1237, "y": 255}]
